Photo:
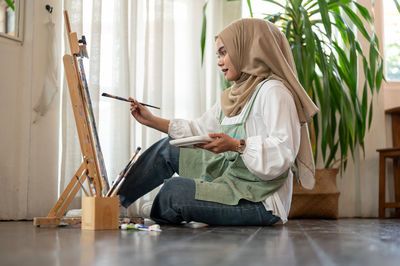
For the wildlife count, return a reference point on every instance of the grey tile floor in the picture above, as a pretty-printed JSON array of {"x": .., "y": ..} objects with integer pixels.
[{"x": 299, "y": 242}]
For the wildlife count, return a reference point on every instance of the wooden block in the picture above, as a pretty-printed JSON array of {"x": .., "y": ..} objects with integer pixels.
[
  {"x": 73, "y": 42},
  {"x": 100, "y": 213}
]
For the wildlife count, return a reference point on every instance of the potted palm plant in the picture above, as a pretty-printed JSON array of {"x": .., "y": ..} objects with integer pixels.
[{"x": 323, "y": 35}]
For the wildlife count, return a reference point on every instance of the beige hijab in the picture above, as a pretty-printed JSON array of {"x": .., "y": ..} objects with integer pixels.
[{"x": 258, "y": 50}]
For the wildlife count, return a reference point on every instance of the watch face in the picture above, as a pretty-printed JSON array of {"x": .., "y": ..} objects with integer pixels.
[
  {"x": 240, "y": 149},
  {"x": 241, "y": 146}
]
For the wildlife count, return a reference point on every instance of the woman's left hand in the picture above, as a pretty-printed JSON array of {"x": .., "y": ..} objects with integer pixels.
[{"x": 221, "y": 143}]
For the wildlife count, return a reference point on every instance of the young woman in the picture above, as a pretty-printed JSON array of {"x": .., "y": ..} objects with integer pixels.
[{"x": 259, "y": 127}]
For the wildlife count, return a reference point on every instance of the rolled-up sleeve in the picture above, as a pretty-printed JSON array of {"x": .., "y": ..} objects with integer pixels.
[
  {"x": 207, "y": 123},
  {"x": 270, "y": 153}
]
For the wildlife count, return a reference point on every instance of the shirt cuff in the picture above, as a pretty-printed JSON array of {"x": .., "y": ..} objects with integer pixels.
[
  {"x": 251, "y": 152},
  {"x": 179, "y": 128},
  {"x": 252, "y": 146},
  {"x": 253, "y": 158}
]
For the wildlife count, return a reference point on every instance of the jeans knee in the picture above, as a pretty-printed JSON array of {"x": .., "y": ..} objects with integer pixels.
[
  {"x": 173, "y": 182},
  {"x": 165, "y": 141},
  {"x": 161, "y": 145},
  {"x": 168, "y": 189},
  {"x": 167, "y": 150},
  {"x": 166, "y": 206},
  {"x": 177, "y": 189}
]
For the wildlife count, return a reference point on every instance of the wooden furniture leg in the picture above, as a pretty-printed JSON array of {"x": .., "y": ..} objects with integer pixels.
[
  {"x": 382, "y": 183},
  {"x": 396, "y": 176}
]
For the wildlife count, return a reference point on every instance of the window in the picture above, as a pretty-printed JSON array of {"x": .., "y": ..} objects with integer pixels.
[
  {"x": 391, "y": 22},
  {"x": 11, "y": 19}
]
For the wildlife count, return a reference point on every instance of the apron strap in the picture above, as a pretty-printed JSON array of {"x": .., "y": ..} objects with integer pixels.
[
  {"x": 249, "y": 105},
  {"x": 253, "y": 97}
]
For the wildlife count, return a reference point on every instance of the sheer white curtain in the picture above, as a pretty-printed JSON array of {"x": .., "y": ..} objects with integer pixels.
[{"x": 147, "y": 49}]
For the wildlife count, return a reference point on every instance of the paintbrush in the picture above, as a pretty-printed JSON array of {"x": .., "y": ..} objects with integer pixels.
[
  {"x": 126, "y": 100},
  {"x": 123, "y": 173},
  {"x": 118, "y": 186}
]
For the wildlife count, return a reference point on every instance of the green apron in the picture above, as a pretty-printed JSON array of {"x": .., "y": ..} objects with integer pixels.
[{"x": 223, "y": 177}]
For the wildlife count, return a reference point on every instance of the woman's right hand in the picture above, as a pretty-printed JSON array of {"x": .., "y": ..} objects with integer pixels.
[{"x": 141, "y": 113}]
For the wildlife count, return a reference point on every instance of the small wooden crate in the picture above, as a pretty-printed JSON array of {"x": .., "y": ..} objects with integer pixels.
[{"x": 100, "y": 213}]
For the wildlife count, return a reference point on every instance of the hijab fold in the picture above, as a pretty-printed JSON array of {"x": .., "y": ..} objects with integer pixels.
[{"x": 258, "y": 50}]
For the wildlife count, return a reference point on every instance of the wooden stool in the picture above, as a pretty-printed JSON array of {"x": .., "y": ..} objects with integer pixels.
[{"x": 394, "y": 154}]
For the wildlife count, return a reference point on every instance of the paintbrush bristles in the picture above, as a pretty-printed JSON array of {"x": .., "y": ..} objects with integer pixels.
[{"x": 115, "y": 97}]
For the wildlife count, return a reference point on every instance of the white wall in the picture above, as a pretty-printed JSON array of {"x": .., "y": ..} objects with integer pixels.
[{"x": 28, "y": 152}]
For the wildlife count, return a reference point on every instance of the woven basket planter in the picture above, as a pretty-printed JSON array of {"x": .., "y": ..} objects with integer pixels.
[{"x": 320, "y": 202}]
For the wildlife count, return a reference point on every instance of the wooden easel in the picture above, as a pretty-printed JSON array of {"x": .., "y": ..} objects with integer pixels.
[{"x": 89, "y": 169}]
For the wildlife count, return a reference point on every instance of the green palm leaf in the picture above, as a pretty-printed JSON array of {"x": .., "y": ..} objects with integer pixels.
[
  {"x": 10, "y": 3},
  {"x": 203, "y": 32}
]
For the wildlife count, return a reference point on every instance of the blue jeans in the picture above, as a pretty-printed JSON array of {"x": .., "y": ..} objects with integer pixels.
[{"x": 176, "y": 201}]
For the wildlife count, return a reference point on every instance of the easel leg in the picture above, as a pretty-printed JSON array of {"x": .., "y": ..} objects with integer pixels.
[
  {"x": 61, "y": 201},
  {"x": 72, "y": 195}
]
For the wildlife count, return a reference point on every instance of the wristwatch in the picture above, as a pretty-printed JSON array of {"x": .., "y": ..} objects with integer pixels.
[{"x": 241, "y": 147}]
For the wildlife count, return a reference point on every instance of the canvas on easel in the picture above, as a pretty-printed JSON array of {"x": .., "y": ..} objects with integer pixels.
[{"x": 92, "y": 168}]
